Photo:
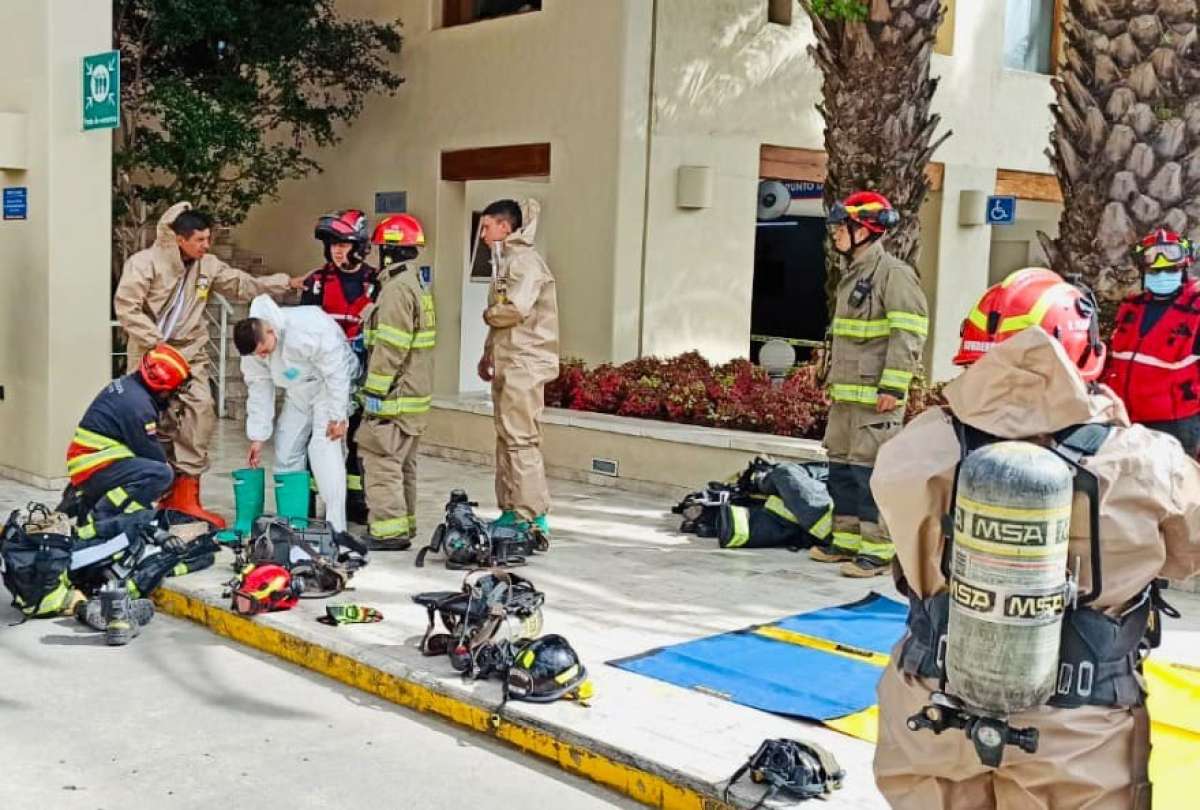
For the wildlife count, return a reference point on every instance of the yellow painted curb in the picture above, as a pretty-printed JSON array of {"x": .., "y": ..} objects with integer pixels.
[{"x": 640, "y": 785}]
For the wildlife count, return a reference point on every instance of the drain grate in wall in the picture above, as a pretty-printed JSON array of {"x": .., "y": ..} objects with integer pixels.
[{"x": 604, "y": 466}]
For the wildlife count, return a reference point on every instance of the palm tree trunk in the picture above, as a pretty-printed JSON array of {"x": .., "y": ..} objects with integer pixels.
[
  {"x": 876, "y": 94},
  {"x": 1126, "y": 140}
]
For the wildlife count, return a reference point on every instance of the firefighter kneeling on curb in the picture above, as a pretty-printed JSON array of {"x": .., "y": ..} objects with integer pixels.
[
  {"x": 1124, "y": 489},
  {"x": 878, "y": 331},
  {"x": 401, "y": 332},
  {"x": 115, "y": 461}
]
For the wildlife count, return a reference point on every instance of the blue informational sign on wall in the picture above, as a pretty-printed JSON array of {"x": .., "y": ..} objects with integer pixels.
[
  {"x": 1001, "y": 210},
  {"x": 16, "y": 202}
]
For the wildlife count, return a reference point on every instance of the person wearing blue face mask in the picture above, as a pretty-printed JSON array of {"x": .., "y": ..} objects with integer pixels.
[{"x": 1154, "y": 362}]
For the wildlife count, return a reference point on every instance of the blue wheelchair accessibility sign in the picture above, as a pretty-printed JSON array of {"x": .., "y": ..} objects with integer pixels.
[{"x": 1001, "y": 210}]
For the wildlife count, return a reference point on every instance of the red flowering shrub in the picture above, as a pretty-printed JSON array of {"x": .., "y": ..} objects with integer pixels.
[
  {"x": 687, "y": 389},
  {"x": 559, "y": 392}
]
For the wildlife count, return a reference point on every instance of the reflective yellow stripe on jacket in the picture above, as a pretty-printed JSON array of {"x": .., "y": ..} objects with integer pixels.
[
  {"x": 397, "y": 406},
  {"x": 425, "y": 339},
  {"x": 776, "y": 506},
  {"x": 104, "y": 449},
  {"x": 860, "y": 394},
  {"x": 908, "y": 322},
  {"x": 859, "y": 330},
  {"x": 895, "y": 379},
  {"x": 378, "y": 383}
]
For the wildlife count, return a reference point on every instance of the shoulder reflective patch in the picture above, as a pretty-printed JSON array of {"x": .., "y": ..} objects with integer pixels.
[{"x": 152, "y": 428}]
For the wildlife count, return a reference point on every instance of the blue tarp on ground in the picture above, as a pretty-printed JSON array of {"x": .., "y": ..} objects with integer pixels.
[{"x": 782, "y": 677}]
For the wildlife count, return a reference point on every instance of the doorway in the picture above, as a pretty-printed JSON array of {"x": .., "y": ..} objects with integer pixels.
[
  {"x": 476, "y": 277},
  {"x": 789, "y": 300}
]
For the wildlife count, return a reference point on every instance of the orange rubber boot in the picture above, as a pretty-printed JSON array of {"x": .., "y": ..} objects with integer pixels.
[{"x": 185, "y": 497}]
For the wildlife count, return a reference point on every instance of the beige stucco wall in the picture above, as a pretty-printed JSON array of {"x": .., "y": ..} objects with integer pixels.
[
  {"x": 54, "y": 267},
  {"x": 636, "y": 273},
  {"x": 563, "y": 75},
  {"x": 727, "y": 81}
]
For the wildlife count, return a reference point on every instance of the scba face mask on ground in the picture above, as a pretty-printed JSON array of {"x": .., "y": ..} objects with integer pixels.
[{"x": 1163, "y": 283}]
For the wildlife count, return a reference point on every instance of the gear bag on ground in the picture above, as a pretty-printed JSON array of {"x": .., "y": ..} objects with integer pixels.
[{"x": 766, "y": 505}]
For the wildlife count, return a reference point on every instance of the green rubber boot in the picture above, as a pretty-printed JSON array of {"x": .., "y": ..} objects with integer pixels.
[
  {"x": 249, "y": 497},
  {"x": 507, "y": 518},
  {"x": 291, "y": 497}
]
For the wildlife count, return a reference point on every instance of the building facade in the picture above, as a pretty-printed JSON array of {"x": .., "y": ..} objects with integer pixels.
[
  {"x": 55, "y": 235},
  {"x": 646, "y": 127}
]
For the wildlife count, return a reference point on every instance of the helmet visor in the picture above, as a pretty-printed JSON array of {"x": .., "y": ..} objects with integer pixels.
[
  {"x": 246, "y": 604},
  {"x": 837, "y": 215},
  {"x": 1163, "y": 255}
]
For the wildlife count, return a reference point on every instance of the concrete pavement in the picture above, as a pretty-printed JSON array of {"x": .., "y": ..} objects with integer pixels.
[
  {"x": 184, "y": 719},
  {"x": 618, "y": 581}
]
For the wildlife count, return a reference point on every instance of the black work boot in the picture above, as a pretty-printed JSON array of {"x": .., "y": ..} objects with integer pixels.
[
  {"x": 92, "y": 613},
  {"x": 121, "y": 627},
  {"x": 398, "y": 543},
  {"x": 864, "y": 566},
  {"x": 356, "y": 509}
]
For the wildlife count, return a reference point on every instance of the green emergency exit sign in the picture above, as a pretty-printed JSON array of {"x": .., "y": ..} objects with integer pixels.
[{"x": 102, "y": 90}]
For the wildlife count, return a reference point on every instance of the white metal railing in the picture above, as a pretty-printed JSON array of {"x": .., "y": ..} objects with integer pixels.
[
  {"x": 221, "y": 345},
  {"x": 112, "y": 342}
]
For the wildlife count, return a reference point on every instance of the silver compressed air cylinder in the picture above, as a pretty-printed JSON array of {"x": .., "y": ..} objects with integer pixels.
[{"x": 1008, "y": 576}]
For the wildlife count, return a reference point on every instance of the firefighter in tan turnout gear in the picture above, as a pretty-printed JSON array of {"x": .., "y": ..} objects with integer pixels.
[
  {"x": 161, "y": 299},
  {"x": 519, "y": 358},
  {"x": 878, "y": 331},
  {"x": 1092, "y": 747},
  {"x": 401, "y": 334}
]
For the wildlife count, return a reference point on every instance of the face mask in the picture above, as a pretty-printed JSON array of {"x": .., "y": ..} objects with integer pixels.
[{"x": 1163, "y": 283}]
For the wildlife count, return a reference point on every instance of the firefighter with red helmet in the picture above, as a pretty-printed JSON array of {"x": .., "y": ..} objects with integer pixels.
[
  {"x": 115, "y": 460},
  {"x": 345, "y": 286},
  {"x": 402, "y": 332},
  {"x": 1154, "y": 364},
  {"x": 878, "y": 334},
  {"x": 1033, "y": 351}
]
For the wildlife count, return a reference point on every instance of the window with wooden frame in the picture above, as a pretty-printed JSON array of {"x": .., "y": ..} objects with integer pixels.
[
  {"x": 1031, "y": 38},
  {"x": 464, "y": 12}
]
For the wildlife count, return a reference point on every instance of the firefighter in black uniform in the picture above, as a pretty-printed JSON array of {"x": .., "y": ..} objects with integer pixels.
[{"x": 115, "y": 461}]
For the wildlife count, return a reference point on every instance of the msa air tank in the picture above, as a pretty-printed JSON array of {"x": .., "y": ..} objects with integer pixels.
[{"x": 1008, "y": 576}]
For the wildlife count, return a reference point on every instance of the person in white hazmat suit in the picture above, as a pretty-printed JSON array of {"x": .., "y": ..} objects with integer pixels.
[{"x": 303, "y": 351}]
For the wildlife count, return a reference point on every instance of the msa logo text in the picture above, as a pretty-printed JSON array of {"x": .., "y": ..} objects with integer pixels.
[
  {"x": 972, "y": 598},
  {"x": 1012, "y": 532},
  {"x": 1032, "y": 607}
]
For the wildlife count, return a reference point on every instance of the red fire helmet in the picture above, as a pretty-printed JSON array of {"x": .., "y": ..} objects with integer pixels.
[{"x": 1036, "y": 297}]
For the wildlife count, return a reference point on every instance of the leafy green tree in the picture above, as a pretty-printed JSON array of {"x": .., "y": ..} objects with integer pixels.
[{"x": 223, "y": 100}]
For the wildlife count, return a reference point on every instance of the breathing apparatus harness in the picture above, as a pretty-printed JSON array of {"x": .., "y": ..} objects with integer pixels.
[
  {"x": 491, "y": 600},
  {"x": 802, "y": 770},
  {"x": 469, "y": 542},
  {"x": 1099, "y": 658},
  {"x": 321, "y": 559}
]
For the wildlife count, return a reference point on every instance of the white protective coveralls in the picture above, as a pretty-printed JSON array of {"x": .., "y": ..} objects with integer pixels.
[
  {"x": 522, "y": 342},
  {"x": 314, "y": 365},
  {"x": 1092, "y": 757}
]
